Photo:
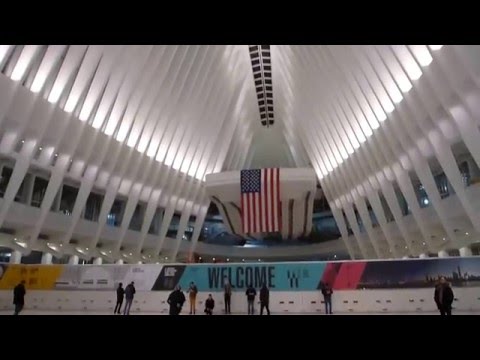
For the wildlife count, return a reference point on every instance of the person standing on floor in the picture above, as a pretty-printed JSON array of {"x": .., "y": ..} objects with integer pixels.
[
  {"x": 209, "y": 305},
  {"x": 19, "y": 297},
  {"x": 443, "y": 297},
  {"x": 251, "y": 293},
  {"x": 120, "y": 294},
  {"x": 227, "y": 294},
  {"x": 192, "y": 296},
  {"x": 327, "y": 298},
  {"x": 176, "y": 300},
  {"x": 129, "y": 294},
  {"x": 264, "y": 299}
]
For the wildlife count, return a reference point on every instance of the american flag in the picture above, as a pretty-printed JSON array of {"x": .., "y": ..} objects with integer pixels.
[{"x": 260, "y": 196}]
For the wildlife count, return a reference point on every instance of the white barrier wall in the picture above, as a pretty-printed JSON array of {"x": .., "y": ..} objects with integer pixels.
[
  {"x": 359, "y": 286},
  {"x": 347, "y": 301}
]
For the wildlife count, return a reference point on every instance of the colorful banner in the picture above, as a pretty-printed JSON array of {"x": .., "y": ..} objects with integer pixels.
[
  {"x": 78, "y": 277},
  {"x": 37, "y": 277},
  {"x": 278, "y": 277},
  {"x": 107, "y": 277},
  {"x": 460, "y": 272},
  {"x": 347, "y": 275}
]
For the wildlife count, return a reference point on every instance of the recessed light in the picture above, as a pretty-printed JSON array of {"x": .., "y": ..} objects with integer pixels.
[
  {"x": 110, "y": 252},
  {"x": 227, "y": 259},
  {"x": 56, "y": 155},
  {"x": 40, "y": 148},
  {"x": 213, "y": 259},
  {"x": 86, "y": 249},
  {"x": 443, "y": 239},
  {"x": 23, "y": 141},
  {"x": 130, "y": 254},
  {"x": 466, "y": 233},
  {"x": 423, "y": 243},
  {"x": 166, "y": 257}
]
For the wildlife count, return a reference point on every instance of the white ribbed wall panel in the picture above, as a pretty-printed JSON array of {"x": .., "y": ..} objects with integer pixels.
[
  {"x": 380, "y": 114},
  {"x": 134, "y": 95}
]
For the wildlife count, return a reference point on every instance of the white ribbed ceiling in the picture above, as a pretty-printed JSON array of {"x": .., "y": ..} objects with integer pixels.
[{"x": 166, "y": 101}]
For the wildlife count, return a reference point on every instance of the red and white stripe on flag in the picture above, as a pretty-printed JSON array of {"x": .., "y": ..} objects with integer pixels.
[{"x": 260, "y": 200}]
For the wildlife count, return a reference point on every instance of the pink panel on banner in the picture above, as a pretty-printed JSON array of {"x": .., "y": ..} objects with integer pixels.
[{"x": 349, "y": 275}]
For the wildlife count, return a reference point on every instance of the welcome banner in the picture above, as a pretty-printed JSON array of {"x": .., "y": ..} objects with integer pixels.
[{"x": 308, "y": 276}]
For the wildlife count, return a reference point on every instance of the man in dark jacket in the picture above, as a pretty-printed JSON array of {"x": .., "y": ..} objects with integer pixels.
[
  {"x": 444, "y": 297},
  {"x": 120, "y": 293},
  {"x": 227, "y": 294},
  {"x": 129, "y": 293},
  {"x": 176, "y": 300},
  {"x": 251, "y": 293},
  {"x": 19, "y": 297},
  {"x": 264, "y": 299},
  {"x": 209, "y": 305},
  {"x": 327, "y": 298}
]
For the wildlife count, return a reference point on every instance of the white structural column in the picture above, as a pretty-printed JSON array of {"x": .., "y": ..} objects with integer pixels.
[
  {"x": 115, "y": 181},
  {"x": 29, "y": 109},
  {"x": 362, "y": 238},
  {"x": 98, "y": 261},
  {"x": 408, "y": 193},
  {"x": 337, "y": 214},
  {"x": 443, "y": 254},
  {"x": 136, "y": 189},
  {"x": 127, "y": 162},
  {"x": 147, "y": 111},
  {"x": 362, "y": 189},
  {"x": 370, "y": 186},
  {"x": 197, "y": 229},
  {"x": 119, "y": 262},
  {"x": 319, "y": 160},
  {"x": 15, "y": 257},
  {"x": 90, "y": 174},
  {"x": 465, "y": 251},
  {"x": 438, "y": 140},
  {"x": 321, "y": 150},
  {"x": 423, "y": 256},
  {"x": 73, "y": 260},
  {"x": 382, "y": 150},
  {"x": 210, "y": 155},
  {"x": 196, "y": 148},
  {"x": 46, "y": 258}
]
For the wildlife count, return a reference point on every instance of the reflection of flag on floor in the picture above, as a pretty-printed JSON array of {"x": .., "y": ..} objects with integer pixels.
[{"x": 260, "y": 198}]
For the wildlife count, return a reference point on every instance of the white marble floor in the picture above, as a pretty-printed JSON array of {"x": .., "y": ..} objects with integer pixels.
[{"x": 66, "y": 312}]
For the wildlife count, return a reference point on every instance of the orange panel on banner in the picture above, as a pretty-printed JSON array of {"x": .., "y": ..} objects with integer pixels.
[{"x": 37, "y": 277}]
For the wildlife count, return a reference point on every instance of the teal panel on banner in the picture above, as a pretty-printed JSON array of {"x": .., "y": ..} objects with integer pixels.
[{"x": 278, "y": 277}]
